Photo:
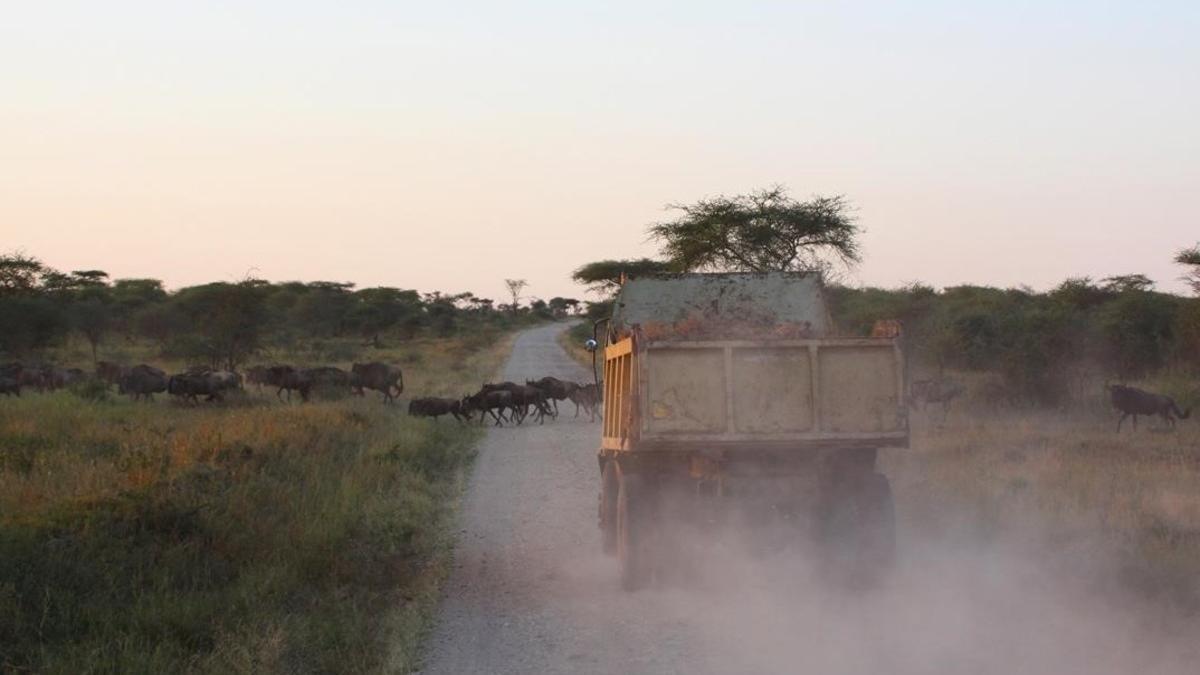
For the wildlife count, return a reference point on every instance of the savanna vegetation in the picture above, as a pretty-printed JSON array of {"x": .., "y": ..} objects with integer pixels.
[
  {"x": 245, "y": 535},
  {"x": 229, "y": 324}
]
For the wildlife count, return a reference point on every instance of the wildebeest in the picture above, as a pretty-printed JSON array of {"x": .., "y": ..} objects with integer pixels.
[
  {"x": 199, "y": 382},
  {"x": 1132, "y": 401},
  {"x": 381, "y": 377},
  {"x": 587, "y": 396},
  {"x": 492, "y": 403},
  {"x": 257, "y": 375},
  {"x": 142, "y": 381},
  {"x": 9, "y": 386},
  {"x": 436, "y": 407},
  {"x": 556, "y": 390},
  {"x": 289, "y": 379},
  {"x": 944, "y": 391},
  {"x": 26, "y": 376},
  {"x": 523, "y": 396},
  {"x": 110, "y": 372}
]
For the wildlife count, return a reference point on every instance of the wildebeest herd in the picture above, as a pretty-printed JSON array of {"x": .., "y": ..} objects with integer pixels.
[
  {"x": 513, "y": 403},
  {"x": 1130, "y": 402},
  {"x": 143, "y": 381},
  {"x": 14, "y": 377},
  {"x": 504, "y": 402}
]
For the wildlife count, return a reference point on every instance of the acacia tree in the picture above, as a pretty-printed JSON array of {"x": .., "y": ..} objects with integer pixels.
[
  {"x": 1190, "y": 258},
  {"x": 515, "y": 286},
  {"x": 604, "y": 276},
  {"x": 760, "y": 232},
  {"x": 19, "y": 273}
]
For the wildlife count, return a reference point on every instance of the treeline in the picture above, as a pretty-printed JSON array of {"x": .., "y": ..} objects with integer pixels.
[
  {"x": 1047, "y": 347},
  {"x": 225, "y": 323}
]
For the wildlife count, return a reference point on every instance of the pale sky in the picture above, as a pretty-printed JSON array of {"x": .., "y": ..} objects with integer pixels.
[{"x": 450, "y": 145}]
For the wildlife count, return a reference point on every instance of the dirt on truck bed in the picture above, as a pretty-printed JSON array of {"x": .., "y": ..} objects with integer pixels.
[{"x": 532, "y": 593}]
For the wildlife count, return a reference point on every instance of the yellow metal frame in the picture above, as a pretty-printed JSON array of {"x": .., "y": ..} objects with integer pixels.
[{"x": 620, "y": 387}]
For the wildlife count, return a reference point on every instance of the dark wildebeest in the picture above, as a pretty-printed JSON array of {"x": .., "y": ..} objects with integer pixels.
[
  {"x": 142, "y": 381},
  {"x": 523, "y": 397},
  {"x": 492, "y": 403},
  {"x": 288, "y": 379},
  {"x": 1132, "y": 401},
  {"x": 54, "y": 378},
  {"x": 258, "y": 376},
  {"x": 110, "y": 372},
  {"x": 436, "y": 407},
  {"x": 556, "y": 390},
  {"x": 378, "y": 376},
  {"x": 587, "y": 396},
  {"x": 199, "y": 382},
  {"x": 24, "y": 375},
  {"x": 9, "y": 386}
]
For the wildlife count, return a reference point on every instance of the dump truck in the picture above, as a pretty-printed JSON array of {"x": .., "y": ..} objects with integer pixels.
[{"x": 733, "y": 392}]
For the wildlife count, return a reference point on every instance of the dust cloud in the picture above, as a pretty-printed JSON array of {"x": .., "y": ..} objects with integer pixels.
[{"x": 954, "y": 604}]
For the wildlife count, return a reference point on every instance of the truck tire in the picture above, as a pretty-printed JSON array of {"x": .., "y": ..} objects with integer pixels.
[
  {"x": 634, "y": 520},
  {"x": 858, "y": 529},
  {"x": 879, "y": 527},
  {"x": 609, "y": 487}
]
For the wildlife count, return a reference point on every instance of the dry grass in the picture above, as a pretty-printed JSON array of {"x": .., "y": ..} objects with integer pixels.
[
  {"x": 1063, "y": 478},
  {"x": 248, "y": 536}
]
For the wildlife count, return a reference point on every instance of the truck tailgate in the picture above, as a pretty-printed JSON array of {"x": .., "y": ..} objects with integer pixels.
[{"x": 797, "y": 390}]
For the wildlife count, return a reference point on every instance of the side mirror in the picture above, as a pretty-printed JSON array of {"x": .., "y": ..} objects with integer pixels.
[{"x": 590, "y": 345}]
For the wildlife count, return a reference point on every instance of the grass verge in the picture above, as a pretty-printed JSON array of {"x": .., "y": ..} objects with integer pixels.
[{"x": 250, "y": 536}]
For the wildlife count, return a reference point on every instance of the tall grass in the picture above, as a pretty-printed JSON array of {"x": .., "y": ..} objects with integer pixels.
[{"x": 250, "y": 536}]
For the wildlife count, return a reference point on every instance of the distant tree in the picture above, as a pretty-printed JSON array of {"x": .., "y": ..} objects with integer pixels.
[
  {"x": 541, "y": 308},
  {"x": 129, "y": 298},
  {"x": 515, "y": 286},
  {"x": 1082, "y": 293},
  {"x": 90, "y": 313},
  {"x": 1190, "y": 258},
  {"x": 224, "y": 321},
  {"x": 604, "y": 276},
  {"x": 379, "y": 309},
  {"x": 760, "y": 232},
  {"x": 20, "y": 273},
  {"x": 560, "y": 306},
  {"x": 1125, "y": 283},
  {"x": 322, "y": 307}
]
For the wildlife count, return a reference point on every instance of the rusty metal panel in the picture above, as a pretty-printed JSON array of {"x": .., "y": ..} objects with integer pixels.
[
  {"x": 772, "y": 390},
  {"x": 859, "y": 389},
  {"x": 685, "y": 391}
]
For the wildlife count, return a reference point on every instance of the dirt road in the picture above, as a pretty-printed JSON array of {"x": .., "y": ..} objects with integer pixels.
[{"x": 531, "y": 592}]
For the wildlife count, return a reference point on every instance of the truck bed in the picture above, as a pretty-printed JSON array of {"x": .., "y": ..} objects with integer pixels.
[{"x": 731, "y": 394}]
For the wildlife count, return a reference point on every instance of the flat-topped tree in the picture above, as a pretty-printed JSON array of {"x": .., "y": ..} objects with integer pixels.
[{"x": 764, "y": 231}]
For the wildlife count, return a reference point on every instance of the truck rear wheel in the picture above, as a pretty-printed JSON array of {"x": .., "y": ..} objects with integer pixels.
[
  {"x": 858, "y": 529},
  {"x": 634, "y": 521},
  {"x": 609, "y": 488}
]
